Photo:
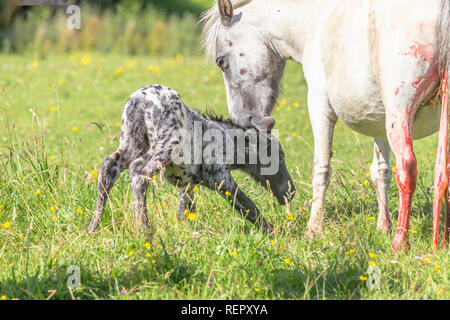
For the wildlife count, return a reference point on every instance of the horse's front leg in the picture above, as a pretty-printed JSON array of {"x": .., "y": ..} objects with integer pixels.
[
  {"x": 323, "y": 120},
  {"x": 381, "y": 175}
]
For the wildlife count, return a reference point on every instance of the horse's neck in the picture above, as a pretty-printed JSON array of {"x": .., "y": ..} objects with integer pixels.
[{"x": 290, "y": 24}]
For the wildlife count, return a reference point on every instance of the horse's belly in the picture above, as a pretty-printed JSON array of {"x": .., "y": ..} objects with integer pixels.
[{"x": 370, "y": 119}]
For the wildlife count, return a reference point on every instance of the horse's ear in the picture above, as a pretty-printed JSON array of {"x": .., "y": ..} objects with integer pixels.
[{"x": 226, "y": 11}]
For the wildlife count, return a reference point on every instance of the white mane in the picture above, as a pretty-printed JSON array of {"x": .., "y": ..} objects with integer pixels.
[{"x": 211, "y": 25}]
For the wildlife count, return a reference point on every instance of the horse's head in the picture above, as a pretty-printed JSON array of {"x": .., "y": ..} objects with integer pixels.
[{"x": 251, "y": 66}]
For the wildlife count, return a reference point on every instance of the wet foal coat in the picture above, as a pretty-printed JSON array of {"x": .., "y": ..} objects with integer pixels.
[{"x": 155, "y": 125}]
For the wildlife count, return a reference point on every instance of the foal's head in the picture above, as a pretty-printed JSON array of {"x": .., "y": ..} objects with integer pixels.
[
  {"x": 250, "y": 64},
  {"x": 270, "y": 168}
]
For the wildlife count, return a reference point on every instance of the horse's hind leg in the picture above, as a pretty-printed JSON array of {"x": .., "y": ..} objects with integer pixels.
[
  {"x": 142, "y": 170},
  {"x": 381, "y": 175}
]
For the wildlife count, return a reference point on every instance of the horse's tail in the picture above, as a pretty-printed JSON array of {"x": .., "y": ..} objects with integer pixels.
[
  {"x": 443, "y": 37},
  {"x": 441, "y": 177}
]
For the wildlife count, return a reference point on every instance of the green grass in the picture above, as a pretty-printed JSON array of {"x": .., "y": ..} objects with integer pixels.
[{"x": 46, "y": 154}]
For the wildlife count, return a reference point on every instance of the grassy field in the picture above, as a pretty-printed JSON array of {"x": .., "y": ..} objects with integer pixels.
[{"x": 60, "y": 117}]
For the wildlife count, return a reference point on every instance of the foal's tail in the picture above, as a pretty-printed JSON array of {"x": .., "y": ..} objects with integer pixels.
[{"x": 441, "y": 175}]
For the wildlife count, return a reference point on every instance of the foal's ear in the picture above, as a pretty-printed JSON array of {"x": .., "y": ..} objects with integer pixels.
[{"x": 226, "y": 11}]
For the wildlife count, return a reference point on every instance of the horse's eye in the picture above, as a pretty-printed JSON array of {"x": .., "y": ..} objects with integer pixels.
[{"x": 220, "y": 61}]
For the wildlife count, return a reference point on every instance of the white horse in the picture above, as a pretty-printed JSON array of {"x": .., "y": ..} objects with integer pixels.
[{"x": 375, "y": 64}]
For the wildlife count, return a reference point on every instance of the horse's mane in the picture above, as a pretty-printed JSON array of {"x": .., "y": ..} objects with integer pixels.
[{"x": 211, "y": 25}]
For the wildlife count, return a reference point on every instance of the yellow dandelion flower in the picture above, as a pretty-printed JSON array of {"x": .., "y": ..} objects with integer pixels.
[
  {"x": 53, "y": 219},
  {"x": 366, "y": 182},
  {"x": 427, "y": 260},
  {"x": 154, "y": 69},
  {"x": 75, "y": 129},
  {"x": 37, "y": 192},
  {"x": 85, "y": 61},
  {"x": 233, "y": 253},
  {"x": 436, "y": 267},
  {"x": 179, "y": 57},
  {"x": 195, "y": 189},
  {"x": 227, "y": 193},
  {"x": 278, "y": 108},
  {"x": 287, "y": 261},
  {"x": 413, "y": 231},
  {"x": 53, "y": 109},
  {"x": 78, "y": 210},
  {"x": 288, "y": 109},
  {"x": 247, "y": 211},
  {"x": 34, "y": 65},
  {"x": 94, "y": 174},
  {"x": 296, "y": 105},
  {"x": 283, "y": 102},
  {"x": 212, "y": 72},
  {"x": 371, "y": 218},
  {"x": 352, "y": 251},
  {"x": 347, "y": 253},
  {"x": 119, "y": 70},
  {"x": 372, "y": 255},
  {"x": 393, "y": 168},
  {"x": 153, "y": 261},
  {"x": 272, "y": 242},
  {"x": 131, "y": 253},
  {"x": 343, "y": 229},
  {"x": 3, "y": 297},
  {"x": 367, "y": 174},
  {"x": 431, "y": 153},
  {"x": 186, "y": 212},
  {"x": 148, "y": 255},
  {"x": 6, "y": 225},
  {"x": 362, "y": 278},
  {"x": 61, "y": 82},
  {"x": 147, "y": 245},
  {"x": 290, "y": 216},
  {"x": 52, "y": 209},
  {"x": 52, "y": 157},
  {"x": 192, "y": 216},
  {"x": 294, "y": 134},
  {"x": 256, "y": 290},
  {"x": 154, "y": 178},
  {"x": 372, "y": 263}
]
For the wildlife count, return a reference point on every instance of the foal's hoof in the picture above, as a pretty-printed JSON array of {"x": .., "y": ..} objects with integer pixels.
[{"x": 401, "y": 242}]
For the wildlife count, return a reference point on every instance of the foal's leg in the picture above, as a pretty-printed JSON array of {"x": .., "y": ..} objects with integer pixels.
[
  {"x": 112, "y": 166},
  {"x": 381, "y": 175},
  {"x": 323, "y": 120},
  {"x": 219, "y": 179},
  {"x": 186, "y": 201},
  {"x": 141, "y": 171}
]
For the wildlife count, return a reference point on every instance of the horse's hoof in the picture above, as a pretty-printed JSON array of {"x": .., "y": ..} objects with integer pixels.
[
  {"x": 401, "y": 242},
  {"x": 313, "y": 233},
  {"x": 384, "y": 227}
]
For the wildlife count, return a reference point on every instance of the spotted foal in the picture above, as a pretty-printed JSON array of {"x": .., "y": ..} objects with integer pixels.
[{"x": 156, "y": 126}]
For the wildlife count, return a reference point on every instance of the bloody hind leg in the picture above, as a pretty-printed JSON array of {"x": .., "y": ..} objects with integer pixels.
[
  {"x": 400, "y": 139},
  {"x": 381, "y": 175},
  {"x": 143, "y": 170},
  {"x": 441, "y": 171}
]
